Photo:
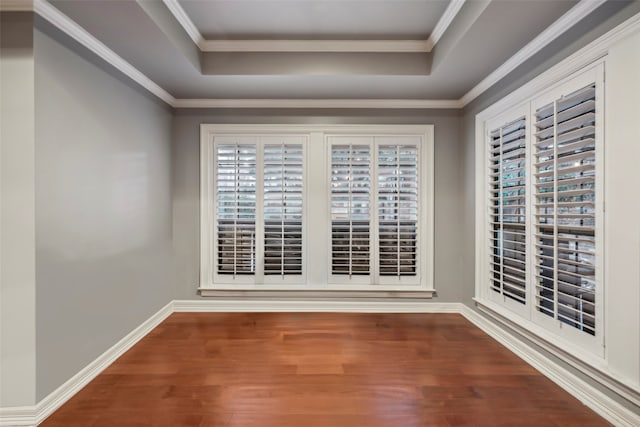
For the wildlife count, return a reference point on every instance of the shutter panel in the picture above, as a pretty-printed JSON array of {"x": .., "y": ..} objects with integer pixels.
[
  {"x": 565, "y": 170},
  {"x": 350, "y": 209},
  {"x": 397, "y": 209},
  {"x": 283, "y": 208},
  {"x": 507, "y": 181},
  {"x": 236, "y": 208}
]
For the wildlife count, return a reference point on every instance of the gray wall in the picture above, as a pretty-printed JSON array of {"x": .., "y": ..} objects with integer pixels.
[
  {"x": 103, "y": 208},
  {"x": 17, "y": 215},
  {"x": 185, "y": 157}
]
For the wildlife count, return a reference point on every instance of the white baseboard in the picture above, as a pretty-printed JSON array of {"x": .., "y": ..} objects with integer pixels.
[
  {"x": 318, "y": 306},
  {"x": 18, "y": 416},
  {"x": 601, "y": 403},
  {"x": 34, "y": 415}
]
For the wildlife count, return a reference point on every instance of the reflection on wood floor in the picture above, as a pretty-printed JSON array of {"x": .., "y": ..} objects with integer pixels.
[{"x": 320, "y": 369}]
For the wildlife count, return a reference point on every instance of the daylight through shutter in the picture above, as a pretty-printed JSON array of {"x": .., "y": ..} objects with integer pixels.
[
  {"x": 236, "y": 209},
  {"x": 507, "y": 181},
  {"x": 350, "y": 209},
  {"x": 565, "y": 209},
  {"x": 397, "y": 209},
  {"x": 283, "y": 209}
]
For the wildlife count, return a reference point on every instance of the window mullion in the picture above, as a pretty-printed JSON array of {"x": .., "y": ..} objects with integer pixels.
[
  {"x": 282, "y": 210},
  {"x": 555, "y": 210},
  {"x": 236, "y": 210},
  {"x": 375, "y": 213},
  {"x": 397, "y": 194},
  {"x": 350, "y": 210},
  {"x": 500, "y": 239},
  {"x": 259, "y": 222}
]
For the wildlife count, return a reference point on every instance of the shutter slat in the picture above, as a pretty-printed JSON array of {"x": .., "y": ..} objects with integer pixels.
[
  {"x": 350, "y": 209},
  {"x": 507, "y": 180},
  {"x": 283, "y": 169},
  {"x": 398, "y": 209},
  {"x": 565, "y": 209},
  {"x": 236, "y": 208}
]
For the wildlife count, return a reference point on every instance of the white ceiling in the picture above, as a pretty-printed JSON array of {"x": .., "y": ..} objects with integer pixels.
[
  {"x": 480, "y": 38},
  {"x": 314, "y": 19}
]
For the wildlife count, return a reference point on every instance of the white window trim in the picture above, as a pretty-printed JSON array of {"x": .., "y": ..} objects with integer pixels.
[
  {"x": 374, "y": 278},
  {"x": 259, "y": 279},
  {"x": 490, "y": 125},
  {"x": 589, "y": 351},
  {"x": 316, "y": 279}
]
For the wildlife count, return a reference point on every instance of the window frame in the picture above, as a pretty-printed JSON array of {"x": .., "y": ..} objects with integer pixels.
[
  {"x": 374, "y": 278},
  {"x": 581, "y": 345},
  {"x": 316, "y": 279},
  {"x": 491, "y": 125},
  {"x": 209, "y": 248}
]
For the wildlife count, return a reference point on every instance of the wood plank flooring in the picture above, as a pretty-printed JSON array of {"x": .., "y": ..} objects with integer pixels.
[{"x": 320, "y": 369}]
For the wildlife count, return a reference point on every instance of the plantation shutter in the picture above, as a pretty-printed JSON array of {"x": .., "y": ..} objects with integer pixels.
[
  {"x": 236, "y": 209},
  {"x": 397, "y": 200},
  {"x": 507, "y": 203},
  {"x": 283, "y": 209},
  {"x": 350, "y": 209},
  {"x": 565, "y": 232}
]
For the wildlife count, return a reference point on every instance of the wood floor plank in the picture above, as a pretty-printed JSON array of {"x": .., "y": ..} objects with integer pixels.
[{"x": 320, "y": 369}]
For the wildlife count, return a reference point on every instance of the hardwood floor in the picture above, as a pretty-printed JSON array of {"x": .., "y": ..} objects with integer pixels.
[{"x": 317, "y": 369}]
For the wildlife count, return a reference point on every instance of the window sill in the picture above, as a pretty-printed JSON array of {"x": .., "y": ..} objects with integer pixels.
[{"x": 317, "y": 293}]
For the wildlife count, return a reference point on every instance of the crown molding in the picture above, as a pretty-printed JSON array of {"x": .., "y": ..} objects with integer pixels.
[
  {"x": 443, "y": 23},
  {"x": 181, "y": 16},
  {"x": 319, "y": 103},
  {"x": 347, "y": 46},
  {"x": 70, "y": 27},
  {"x": 589, "y": 54},
  {"x": 16, "y": 5},
  {"x": 578, "y": 12},
  {"x": 555, "y": 30},
  {"x": 315, "y": 46}
]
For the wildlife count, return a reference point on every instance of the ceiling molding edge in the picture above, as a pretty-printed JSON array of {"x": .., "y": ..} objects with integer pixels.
[
  {"x": 445, "y": 20},
  {"x": 315, "y": 46},
  {"x": 578, "y": 12},
  {"x": 555, "y": 30},
  {"x": 71, "y": 28},
  {"x": 347, "y": 46},
  {"x": 321, "y": 103},
  {"x": 187, "y": 24},
  {"x": 587, "y": 55},
  {"x": 16, "y": 5}
]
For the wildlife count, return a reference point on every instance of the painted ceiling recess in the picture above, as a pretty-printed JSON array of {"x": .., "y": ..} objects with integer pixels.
[{"x": 315, "y": 53}]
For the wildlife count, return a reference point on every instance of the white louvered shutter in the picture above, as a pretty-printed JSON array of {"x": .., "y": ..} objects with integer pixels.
[
  {"x": 283, "y": 209},
  {"x": 507, "y": 204},
  {"x": 565, "y": 214},
  {"x": 350, "y": 209},
  {"x": 397, "y": 204},
  {"x": 235, "y": 194}
]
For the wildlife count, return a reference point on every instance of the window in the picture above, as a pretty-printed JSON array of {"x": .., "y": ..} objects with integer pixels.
[
  {"x": 351, "y": 194},
  {"x": 566, "y": 202},
  {"x": 544, "y": 210},
  {"x": 258, "y": 185},
  {"x": 375, "y": 193},
  {"x": 317, "y": 208},
  {"x": 236, "y": 209},
  {"x": 283, "y": 208},
  {"x": 397, "y": 201},
  {"x": 507, "y": 202}
]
